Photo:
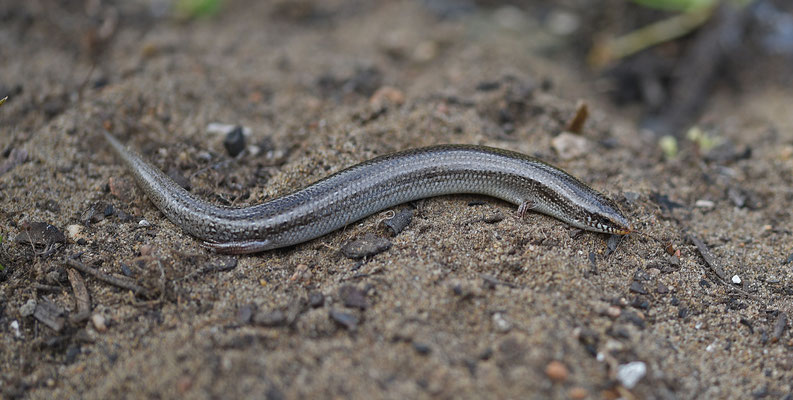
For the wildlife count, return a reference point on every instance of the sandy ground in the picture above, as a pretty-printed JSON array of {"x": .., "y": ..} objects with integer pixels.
[{"x": 468, "y": 302}]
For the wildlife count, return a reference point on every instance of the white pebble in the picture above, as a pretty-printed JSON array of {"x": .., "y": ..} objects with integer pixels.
[
  {"x": 631, "y": 373},
  {"x": 28, "y": 308},
  {"x": 74, "y": 232},
  {"x": 143, "y": 223},
  {"x": 736, "y": 279},
  {"x": 223, "y": 129},
  {"x": 704, "y": 204},
  {"x": 99, "y": 322},
  {"x": 15, "y": 328},
  {"x": 500, "y": 323}
]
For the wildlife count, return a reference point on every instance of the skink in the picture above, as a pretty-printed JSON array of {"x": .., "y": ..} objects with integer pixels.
[{"x": 374, "y": 185}]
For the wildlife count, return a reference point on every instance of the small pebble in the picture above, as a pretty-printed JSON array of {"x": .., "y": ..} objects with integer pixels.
[
  {"x": 662, "y": 289},
  {"x": 501, "y": 324},
  {"x": 143, "y": 223},
  {"x": 245, "y": 313},
  {"x": 316, "y": 299},
  {"x": 556, "y": 371},
  {"x": 234, "y": 142},
  {"x": 399, "y": 221},
  {"x": 28, "y": 308},
  {"x": 736, "y": 279},
  {"x": 302, "y": 273},
  {"x": 218, "y": 128},
  {"x": 15, "y": 327},
  {"x": 613, "y": 312},
  {"x": 387, "y": 95},
  {"x": 41, "y": 234},
  {"x": 353, "y": 297},
  {"x": 707, "y": 204},
  {"x": 347, "y": 320},
  {"x": 75, "y": 232},
  {"x": 631, "y": 197},
  {"x": 637, "y": 287},
  {"x": 631, "y": 373},
  {"x": 367, "y": 246},
  {"x": 270, "y": 319},
  {"x": 99, "y": 322},
  {"x": 422, "y": 348},
  {"x": 577, "y": 393}
]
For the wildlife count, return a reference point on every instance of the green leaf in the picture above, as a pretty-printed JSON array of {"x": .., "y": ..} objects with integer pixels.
[
  {"x": 675, "y": 5},
  {"x": 197, "y": 8}
]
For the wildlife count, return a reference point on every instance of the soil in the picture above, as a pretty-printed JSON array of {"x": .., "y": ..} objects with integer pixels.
[{"x": 469, "y": 301}]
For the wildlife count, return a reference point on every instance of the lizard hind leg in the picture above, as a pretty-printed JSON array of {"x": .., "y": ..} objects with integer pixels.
[
  {"x": 525, "y": 207},
  {"x": 241, "y": 247}
]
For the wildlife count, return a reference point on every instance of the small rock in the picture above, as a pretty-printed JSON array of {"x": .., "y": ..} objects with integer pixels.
[
  {"x": 556, "y": 371},
  {"x": 270, "y": 319},
  {"x": 316, "y": 299},
  {"x": 353, "y": 297},
  {"x": 631, "y": 197},
  {"x": 387, "y": 95},
  {"x": 346, "y": 320},
  {"x": 662, "y": 289},
  {"x": 367, "y": 246},
  {"x": 143, "y": 223},
  {"x": 399, "y": 221},
  {"x": 75, "y": 232},
  {"x": 302, "y": 274},
  {"x": 577, "y": 393},
  {"x": 570, "y": 146},
  {"x": 28, "y": 308},
  {"x": 15, "y": 328},
  {"x": 99, "y": 322},
  {"x": 501, "y": 324},
  {"x": 245, "y": 313},
  {"x": 736, "y": 279},
  {"x": 234, "y": 142},
  {"x": 707, "y": 204},
  {"x": 631, "y": 373},
  {"x": 218, "y": 128},
  {"x": 40, "y": 234},
  {"x": 613, "y": 312},
  {"x": 422, "y": 348},
  {"x": 637, "y": 287}
]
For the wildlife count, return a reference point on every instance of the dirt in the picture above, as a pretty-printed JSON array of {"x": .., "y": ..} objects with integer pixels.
[{"x": 469, "y": 301}]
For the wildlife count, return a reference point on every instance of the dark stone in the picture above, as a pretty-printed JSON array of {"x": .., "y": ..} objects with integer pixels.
[
  {"x": 662, "y": 289},
  {"x": 234, "y": 142},
  {"x": 367, "y": 246},
  {"x": 422, "y": 348},
  {"x": 245, "y": 313},
  {"x": 488, "y": 86},
  {"x": 353, "y": 297},
  {"x": 270, "y": 319},
  {"x": 346, "y": 320},
  {"x": 316, "y": 299},
  {"x": 637, "y": 287},
  {"x": 400, "y": 221},
  {"x": 41, "y": 234}
]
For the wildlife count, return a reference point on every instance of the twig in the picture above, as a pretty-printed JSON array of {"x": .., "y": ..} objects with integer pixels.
[
  {"x": 711, "y": 261},
  {"x": 122, "y": 283},
  {"x": 81, "y": 297}
]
